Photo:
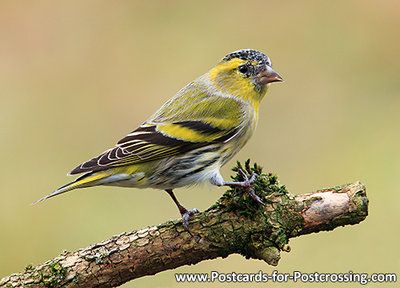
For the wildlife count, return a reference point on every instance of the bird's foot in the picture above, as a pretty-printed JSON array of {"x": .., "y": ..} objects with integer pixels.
[
  {"x": 246, "y": 185},
  {"x": 184, "y": 212},
  {"x": 186, "y": 215}
]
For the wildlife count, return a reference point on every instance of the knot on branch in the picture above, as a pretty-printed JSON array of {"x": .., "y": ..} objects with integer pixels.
[{"x": 326, "y": 209}]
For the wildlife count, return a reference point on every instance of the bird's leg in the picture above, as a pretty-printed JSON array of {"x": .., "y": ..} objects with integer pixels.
[
  {"x": 184, "y": 212},
  {"x": 246, "y": 185}
]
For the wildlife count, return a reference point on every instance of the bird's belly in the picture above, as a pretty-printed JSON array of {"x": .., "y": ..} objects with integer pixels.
[
  {"x": 176, "y": 171},
  {"x": 190, "y": 168}
]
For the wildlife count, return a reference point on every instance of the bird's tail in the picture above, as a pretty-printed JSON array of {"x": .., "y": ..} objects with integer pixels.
[{"x": 86, "y": 180}]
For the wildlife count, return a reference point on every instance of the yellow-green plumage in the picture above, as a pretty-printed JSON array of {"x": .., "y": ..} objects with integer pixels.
[{"x": 192, "y": 135}]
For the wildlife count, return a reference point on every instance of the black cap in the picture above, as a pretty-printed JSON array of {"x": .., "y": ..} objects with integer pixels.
[{"x": 248, "y": 54}]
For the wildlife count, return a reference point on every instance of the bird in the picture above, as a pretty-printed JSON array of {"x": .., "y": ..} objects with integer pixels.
[{"x": 191, "y": 136}]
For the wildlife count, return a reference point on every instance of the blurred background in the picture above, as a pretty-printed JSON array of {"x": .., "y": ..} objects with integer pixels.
[{"x": 77, "y": 76}]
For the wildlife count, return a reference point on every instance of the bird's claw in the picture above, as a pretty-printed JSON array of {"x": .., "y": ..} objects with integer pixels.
[
  {"x": 246, "y": 185},
  {"x": 185, "y": 217},
  {"x": 246, "y": 180}
]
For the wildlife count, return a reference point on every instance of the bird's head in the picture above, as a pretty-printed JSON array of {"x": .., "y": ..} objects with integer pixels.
[{"x": 245, "y": 74}]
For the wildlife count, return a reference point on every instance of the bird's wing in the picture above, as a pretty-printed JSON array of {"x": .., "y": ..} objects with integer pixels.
[{"x": 179, "y": 126}]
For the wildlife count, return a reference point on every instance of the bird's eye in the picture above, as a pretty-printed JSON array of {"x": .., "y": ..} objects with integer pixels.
[{"x": 243, "y": 69}]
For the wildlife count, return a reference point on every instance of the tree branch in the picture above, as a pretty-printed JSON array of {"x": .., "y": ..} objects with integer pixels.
[{"x": 235, "y": 224}]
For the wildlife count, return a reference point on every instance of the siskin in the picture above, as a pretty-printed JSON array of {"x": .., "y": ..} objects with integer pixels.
[{"x": 191, "y": 136}]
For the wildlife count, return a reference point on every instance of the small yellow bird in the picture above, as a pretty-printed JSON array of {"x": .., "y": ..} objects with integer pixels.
[{"x": 191, "y": 136}]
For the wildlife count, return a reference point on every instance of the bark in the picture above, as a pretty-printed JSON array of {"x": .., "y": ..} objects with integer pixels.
[{"x": 235, "y": 224}]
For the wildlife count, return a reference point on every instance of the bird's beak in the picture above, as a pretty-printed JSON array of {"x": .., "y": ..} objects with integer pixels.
[{"x": 268, "y": 75}]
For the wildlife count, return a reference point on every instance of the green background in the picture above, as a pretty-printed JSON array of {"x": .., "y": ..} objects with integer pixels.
[{"x": 76, "y": 76}]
